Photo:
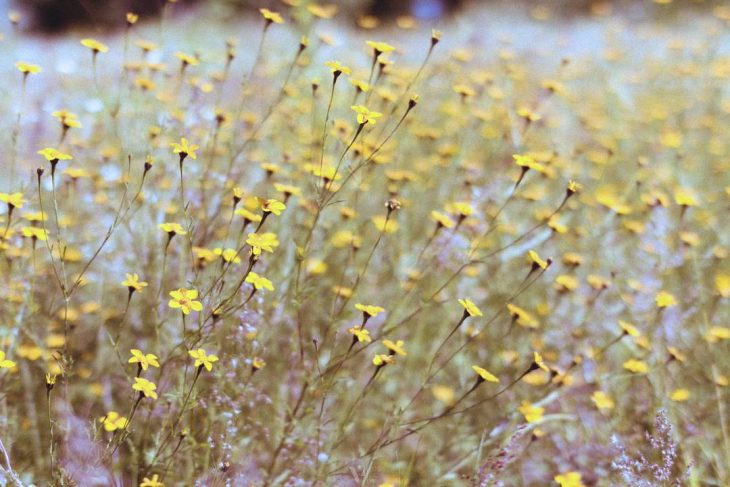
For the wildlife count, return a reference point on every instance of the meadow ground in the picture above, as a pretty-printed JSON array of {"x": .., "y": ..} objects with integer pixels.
[{"x": 277, "y": 250}]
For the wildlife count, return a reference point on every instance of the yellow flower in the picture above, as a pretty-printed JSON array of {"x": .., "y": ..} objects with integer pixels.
[
  {"x": 679, "y": 395},
  {"x": 569, "y": 479},
  {"x": 602, "y": 400},
  {"x": 718, "y": 333},
  {"x": 442, "y": 219},
  {"x": 287, "y": 189},
  {"x": 369, "y": 309},
  {"x": 364, "y": 115},
  {"x": 13, "y": 199},
  {"x": 382, "y": 359},
  {"x": 271, "y": 205},
  {"x": 5, "y": 363},
  {"x": 228, "y": 255},
  {"x": 145, "y": 387},
  {"x": 460, "y": 208},
  {"x": 258, "y": 363},
  {"x": 132, "y": 18},
  {"x": 259, "y": 282},
  {"x": 539, "y": 362},
  {"x": 528, "y": 162},
  {"x": 53, "y": 155},
  {"x": 362, "y": 336},
  {"x": 522, "y": 317},
  {"x": 537, "y": 261},
  {"x": 636, "y": 366},
  {"x": 35, "y": 232},
  {"x": 664, "y": 299},
  {"x": 153, "y": 482},
  {"x": 684, "y": 197},
  {"x": 184, "y": 148},
  {"x": 187, "y": 59},
  {"x": 380, "y": 47},
  {"x": 133, "y": 283},
  {"x": 27, "y": 68},
  {"x": 385, "y": 225},
  {"x": 202, "y": 359},
  {"x": 531, "y": 412},
  {"x": 184, "y": 299},
  {"x": 470, "y": 308},
  {"x": 484, "y": 374},
  {"x": 336, "y": 68},
  {"x": 265, "y": 241},
  {"x": 144, "y": 360},
  {"x": 247, "y": 215},
  {"x": 270, "y": 16},
  {"x": 629, "y": 329},
  {"x": 94, "y": 45},
  {"x": 112, "y": 421},
  {"x": 395, "y": 347},
  {"x": 172, "y": 228}
]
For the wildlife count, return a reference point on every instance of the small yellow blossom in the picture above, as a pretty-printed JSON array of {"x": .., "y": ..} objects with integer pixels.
[
  {"x": 395, "y": 347},
  {"x": 144, "y": 360},
  {"x": 5, "y": 363},
  {"x": 369, "y": 309},
  {"x": 133, "y": 283},
  {"x": 259, "y": 282},
  {"x": 202, "y": 359},
  {"x": 636, "y": 366},
  {"x": 271, "y": 17},
  {"x": 602, "y": 401},
  {"x": 145, "y": 387},
  {"x": 54, "y": 155},
  {"x": 27, "y": 68},
  {"x": 184, "y": 299},
  {"x": 365, "y": 116},
  {"x": 664, "y": 299},
  {"x": 679, "y": 395},
  {"x": 271, "y": 205},
  {"x": 14, "y": 200},
  {"x": 362, "y": 336},
  {"x": 94, "y": 45},
  {"x": 569, "y": 479},
  {"x": 153, "y": 482},
  {"x": 484, "y": 374},
  {"x": 184, "y": 148},
  {"x": 531, "y": 412},
  {"x": 172, "y": 228},
  {"x": 262, "y": 242},
  {"x": 113, "y": 421},
  {"x": 470, "y": 308}
]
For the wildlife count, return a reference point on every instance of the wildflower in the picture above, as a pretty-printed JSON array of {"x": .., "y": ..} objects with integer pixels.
[
  {"x": 684, "y": 197},
  {"x": 361, "y": 335},
  {"x": 228, "y": 255},
  {"x": 184, "y": 299},
  {"x": 395, "y": 347},
  {"x": 271, "y": 17},
  {"x": 144, "y": 361},
  {"x": 460, "y": 208},
  {"x": 35, "y": 233},
  {"x": 369, "y": 310},
  {"x": 537, "y": 261},
  {"x": 717, "y": 333},
  {"x": 265, "y": 241},
  {"x": 259, "y": 282},
  {"x": 202, "y": 359},
  {"x": 531, "y": 412},
  {"x": 442, "y": 220},
  {"x": 380, "y": 47},
  {"x": 384, "y": 224},
  {"x": 53, "y": 156},
  {"x": 172, "y": 229},
  {"x": 94, "y": 45},
  {"x": 337, "y": 68},
  {"x": 132, "y": 19},
  {"x": 565, "y": 283},
  {"x": 365, "y": 116},
  {"x": 435, "y": 37},
  {"x": 538, "y": 362},
  {"x": 153, "y": 482},
  {"x": 484, "y": 375},
  {"x": 113, "y": 421},
  {"x": 184, "y": 149},
  {"x": 14, "y": 200},
  {"x": 664, "y": 299},
  {"x": 257, "y": 363},
  {"x": 679, "y": 395},
  {"x": 602, "y": 401},
  {"x": 522, "y": 317},
  {"x": 573, "y": 187},
  {"x": 569, "y": 479},
  {"x": 636, "y": 366},
  {"x": 382, "y": 359},
  {"x": 145, "y": 387},
  {"x": 5, "y": 363},
  {"x": 27, "y": 68},
  {"x": 133, "y": 283},
  {"x": 528, "y": 162},
  {"x": 470, "y": 308},
  {"x": 287, "y": 190},
  {"x": 271, "y": 206},
  {"x": 629, "y": 329}
]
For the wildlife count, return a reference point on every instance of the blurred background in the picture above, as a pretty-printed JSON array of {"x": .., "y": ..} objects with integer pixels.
[{"x": 57, "y": 16}]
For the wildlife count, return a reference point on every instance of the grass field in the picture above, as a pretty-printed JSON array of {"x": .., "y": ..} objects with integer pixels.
[{"x": 277, "y": 250}]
